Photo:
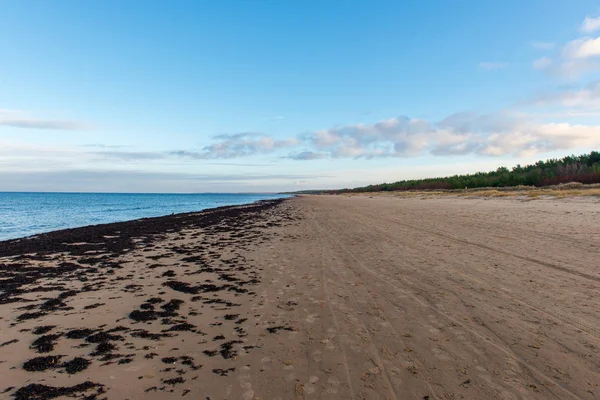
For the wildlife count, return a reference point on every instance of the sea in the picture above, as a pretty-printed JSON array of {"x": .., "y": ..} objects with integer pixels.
[{"x": 26, "y": 214}]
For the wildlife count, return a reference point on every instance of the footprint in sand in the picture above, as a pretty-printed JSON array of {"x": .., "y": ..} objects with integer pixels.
[
  {"x": 333, "y": 384},
  {"x": 316, "y": 356},
  {"x": 310, "y": 386},
  {"x": 440, "y": 354}
]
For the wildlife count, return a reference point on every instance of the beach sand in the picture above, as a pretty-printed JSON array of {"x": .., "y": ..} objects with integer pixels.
[{"x": 324, "y": 297}]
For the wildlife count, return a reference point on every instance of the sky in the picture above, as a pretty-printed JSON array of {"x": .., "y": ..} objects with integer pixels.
[{"x": 261, "y": 96}]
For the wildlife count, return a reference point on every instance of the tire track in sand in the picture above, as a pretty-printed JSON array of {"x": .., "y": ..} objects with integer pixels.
[
  {"x": 374, "y": 305},
  {"x": 425, "y": 304},
  {"x": 564, "y": 319}
]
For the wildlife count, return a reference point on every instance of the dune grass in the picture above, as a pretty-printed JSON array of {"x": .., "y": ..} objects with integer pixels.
[{"x": 567, "y": 190}]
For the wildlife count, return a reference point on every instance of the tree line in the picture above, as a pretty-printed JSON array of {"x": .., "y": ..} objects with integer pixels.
[{"x": 584, "y": 168}]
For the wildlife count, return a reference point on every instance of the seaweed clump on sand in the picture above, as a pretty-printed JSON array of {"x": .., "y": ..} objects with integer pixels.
[
  {"x": 227, "y": 349},
  {"x": 173, "y": 381},
  {"x": 9, "y": 342},
  {"x": 181, "y": 327},
  {"x": 41, "y": 330},
  {"x": 275, "y": 329},
  {"x": 149, "y": 314},
  {"x": 45, "y": 344},
  {"x": 143, "y": 316},
  {"x": 32, "y": 315},
  {"x": 36, "y": 391},
  {"x": 185, "y": 287},
  {"x": 39, "y": 364},
  {"x": 172, "y": 306},
  {"x": 79, "y": 333},
  {"x": 223, "y": 372},
  {"x": 103, "y": 348},
  {"x": 76, "y": 365},
  {"x": 101, "y": 337},
  {"x": 144, "y": 334}
]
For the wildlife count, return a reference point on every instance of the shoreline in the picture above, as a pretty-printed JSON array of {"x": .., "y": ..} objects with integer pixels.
[
  {"x": 51, "y": 238},
  {"x": 29, "y": 214}
]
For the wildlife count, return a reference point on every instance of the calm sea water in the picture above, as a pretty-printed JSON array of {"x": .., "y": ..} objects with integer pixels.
[{"x": 25, "y": 214}]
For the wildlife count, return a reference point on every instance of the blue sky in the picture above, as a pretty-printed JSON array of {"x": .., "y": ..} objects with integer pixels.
[{"x": 192, "y": 96}]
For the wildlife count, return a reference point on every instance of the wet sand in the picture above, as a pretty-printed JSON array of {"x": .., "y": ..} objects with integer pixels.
[{"x": 323, "y": 297}]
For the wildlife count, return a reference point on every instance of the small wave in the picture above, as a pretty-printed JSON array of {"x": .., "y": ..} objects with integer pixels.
[{"x": 123, "y": 209}]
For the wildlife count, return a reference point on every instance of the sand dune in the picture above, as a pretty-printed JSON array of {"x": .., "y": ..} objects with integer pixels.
[{"x": 323, "y": 297}]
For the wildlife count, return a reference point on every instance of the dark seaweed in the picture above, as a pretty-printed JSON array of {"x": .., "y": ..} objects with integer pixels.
[
  {"x": 36, "y": 391},
  {"x": 38, "y": 364},
  {"x": 45, "y": 344},
  {"x": 40, "y": 330},
  {"x": 76, "y": 365}
]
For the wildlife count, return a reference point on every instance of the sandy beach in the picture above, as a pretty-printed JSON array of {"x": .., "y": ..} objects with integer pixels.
[{"x": 314, "y": 297}]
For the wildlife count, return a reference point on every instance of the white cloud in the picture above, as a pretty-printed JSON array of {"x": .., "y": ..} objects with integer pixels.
[
  {"x": 492, "y": 65},
  {"x": 129, "y": 156},
  {"x": 307, "y": 155},
  {"x": 573, "y": 69},
  {"x": 542, "y": 63},
  {"x": 578, "y": 57},
  {"x": 495, "y": 134},
  {"x": 586, "y": 98},
  {"x": 459, "y": 134},
  {"x": 20, "y": 119},
  {"x": 585, "y": 47},
  {"x": 530, "y": 139},
  {"x": 238, "y": 145},
  {"x": 590, "y": 24}
]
